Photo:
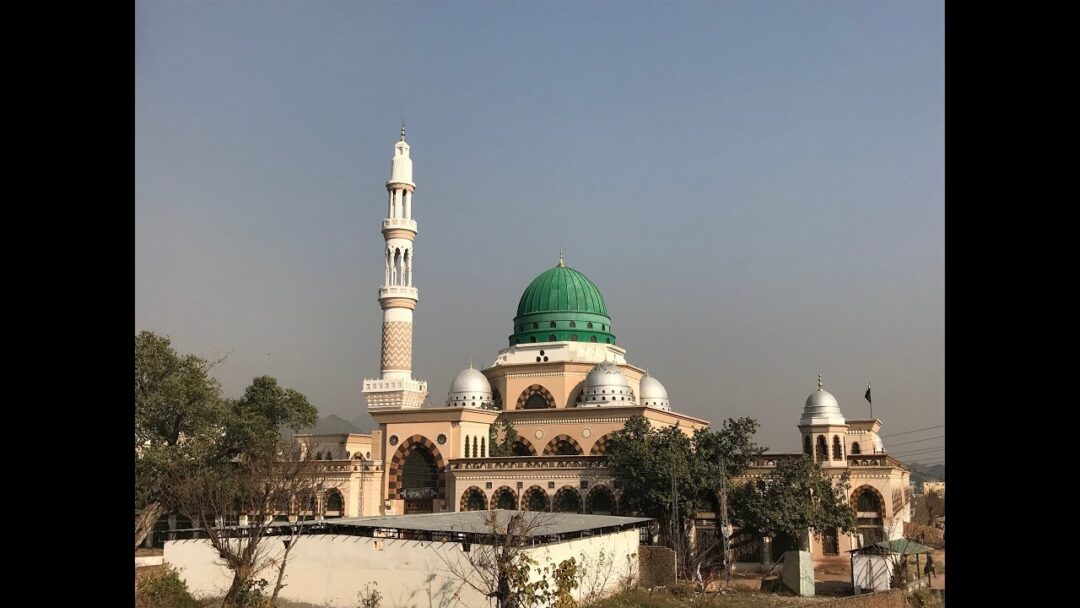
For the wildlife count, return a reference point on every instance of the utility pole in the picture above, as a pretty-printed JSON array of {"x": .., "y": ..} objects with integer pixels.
[{"x": 724, "y": 523}]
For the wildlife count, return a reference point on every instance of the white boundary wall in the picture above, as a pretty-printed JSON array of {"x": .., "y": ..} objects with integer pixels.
[{"x": 332, "y": 570}]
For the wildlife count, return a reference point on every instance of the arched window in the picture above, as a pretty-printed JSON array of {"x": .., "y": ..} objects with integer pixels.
[
  {"x": 420, "y": 471},
  {"x": 536, "y": 326},
  {"x": 504, "y": 498},
  {"x": 536, "y": 500},
  {"x": 592, "y": 338},
  {"x": 807, "y": 446},
  {"x": 837, "y": 451},
  {"x": 468, "y": 452},
  {"x": 589, "y": 325},
  {"x": 600, "y": 501},
  {"x": 572, "y": 324},
  {"x": 567, "y": 500},
  {"x": 552, "y": 325},
  {"x": 855, "y": 449},
  {"x": 573, "y": 338},
  {"x": 475, "y": 500},
  {"x": 532, "y": 338},
  {"x": 536, "y": 401},
  {"x": 335, "y": 504},
  {"x": 483, "y": 447},
  {"x": 552, "y": 338},
  {"x": 565, "y": 448},
  {"x": 822, "y": 448}
]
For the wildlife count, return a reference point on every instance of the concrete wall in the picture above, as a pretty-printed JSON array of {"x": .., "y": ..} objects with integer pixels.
[{"x": 332, "y": 570}]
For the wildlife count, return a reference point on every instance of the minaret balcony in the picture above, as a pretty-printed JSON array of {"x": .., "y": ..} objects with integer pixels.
[
  {"x": 399, "y": 292},
  {"x": 402, "y": 223}
]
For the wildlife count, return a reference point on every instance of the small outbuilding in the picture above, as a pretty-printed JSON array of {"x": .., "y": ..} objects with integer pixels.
[{"x": 887, "y": 565}]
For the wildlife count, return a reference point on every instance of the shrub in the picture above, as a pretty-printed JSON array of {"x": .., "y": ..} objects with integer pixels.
[
  {"x": 927, "y": 535},
  {"x": 163, "y": 589}
]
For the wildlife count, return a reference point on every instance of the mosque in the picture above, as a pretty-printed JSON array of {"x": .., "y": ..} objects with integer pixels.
[{"x": 566, "y": 385}]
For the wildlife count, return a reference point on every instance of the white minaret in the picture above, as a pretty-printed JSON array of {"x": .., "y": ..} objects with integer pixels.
[{"x": 395, "y": 387}]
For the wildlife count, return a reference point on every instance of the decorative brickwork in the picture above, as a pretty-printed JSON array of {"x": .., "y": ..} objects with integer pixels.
[
  {"x": 397, "y": 345},
  {"x": 463, "y": 505},
  {"x": 553, "y": 445},
  {"x": 495, "y": 498},
  {"x": 535, "y": 389},
  {"x": 601, "y": 446},
  {"x": 395, "y": 474}
]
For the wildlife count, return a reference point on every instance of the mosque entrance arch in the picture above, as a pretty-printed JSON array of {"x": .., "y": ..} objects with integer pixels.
[
  {"x": 869, "y": 514},
  {"x": 415, "y": 474}
]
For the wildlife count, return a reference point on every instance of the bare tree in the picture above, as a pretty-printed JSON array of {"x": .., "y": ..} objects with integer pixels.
[
  {"x": 261, "y": 487},
  {"x": 497, "y": 566}
]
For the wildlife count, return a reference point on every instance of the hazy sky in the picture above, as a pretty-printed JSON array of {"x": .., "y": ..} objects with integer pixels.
[{"x": 757, "y": 188}]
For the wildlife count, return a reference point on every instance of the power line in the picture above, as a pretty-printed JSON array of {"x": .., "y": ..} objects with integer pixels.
[
  {"x": 915, "y": 431},
  {"x": 916, "y": 440},
  {"x": 919, "y": 451}
]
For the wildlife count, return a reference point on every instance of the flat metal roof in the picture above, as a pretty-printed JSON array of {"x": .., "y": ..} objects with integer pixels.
[
  {"x": 464, "y": 526},
  {"x": 547, "y": 523}
]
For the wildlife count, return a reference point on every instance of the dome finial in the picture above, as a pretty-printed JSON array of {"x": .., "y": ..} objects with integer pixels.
[
  {"x": 470, "y": 363},
  {"x": 402, "y": 129},
  {"x": 820, "y": 383},
  {"x": 562, "y": 264}
]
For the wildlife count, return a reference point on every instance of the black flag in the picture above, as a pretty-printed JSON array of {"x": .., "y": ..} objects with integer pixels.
[{"x": 867, "y": 395}]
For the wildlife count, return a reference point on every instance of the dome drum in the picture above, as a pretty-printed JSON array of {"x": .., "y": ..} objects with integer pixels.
[
  {"x": 470, "y": 388},
  {"x": 606, "y": 385},
  {"x": 561, "y": 305},
  {"x": 653, "y": 394}
]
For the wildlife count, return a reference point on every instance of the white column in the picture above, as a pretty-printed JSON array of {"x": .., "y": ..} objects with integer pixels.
[{"x": 408, "y": 203}]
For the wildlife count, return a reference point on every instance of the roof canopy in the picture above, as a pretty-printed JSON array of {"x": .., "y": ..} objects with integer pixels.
[{"x": 902, "y": 546}]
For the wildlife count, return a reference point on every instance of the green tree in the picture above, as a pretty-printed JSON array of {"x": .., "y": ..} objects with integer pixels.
[
  {"x": 505, "y": 430},
  {"x": 795, "y": 496},
  {"x": 179, "y": 414},
  {"x": 654, "y": 465}
]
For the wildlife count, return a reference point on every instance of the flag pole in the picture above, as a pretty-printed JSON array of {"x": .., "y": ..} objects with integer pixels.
[{"x": 869, "y": 400}]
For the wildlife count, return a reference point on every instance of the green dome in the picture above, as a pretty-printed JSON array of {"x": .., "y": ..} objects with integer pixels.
[{"x": 562, "y": 304}]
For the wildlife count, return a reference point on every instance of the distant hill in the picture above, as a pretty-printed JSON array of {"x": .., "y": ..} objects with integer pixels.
[{"x": 921, "y": 473}]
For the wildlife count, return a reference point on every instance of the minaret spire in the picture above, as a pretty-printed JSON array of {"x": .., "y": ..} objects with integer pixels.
[
  {"x": 395, "y": 387},
  {"x": 820, "y": 383},
  {"x": 562, "y": 264}
]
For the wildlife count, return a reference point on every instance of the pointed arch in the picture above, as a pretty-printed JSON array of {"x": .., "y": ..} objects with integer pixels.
[
  {"x": 535, "y": 499},
  {"x": 600, "y": 447},
  {"x": 523, "y": 447},
  {"x": 837, "y": 448},
  {"x": 333, "y": 503},
  {"x": 397, "y": 464},
  {"x": 533, "y": 395},
  {"x": 504, "y": 498},
  {"x": 563, "y": 445},
  {"x": 822, "y": 448},
  {"x": 872, "y": 495},
  {"x": 567, "y": 500},
  {"x": 472, "y": 499},
  {"x": 600, "y": 500}
]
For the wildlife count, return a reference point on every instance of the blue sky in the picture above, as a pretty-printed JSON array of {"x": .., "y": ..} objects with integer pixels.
[{"x": 757, "y": 188}]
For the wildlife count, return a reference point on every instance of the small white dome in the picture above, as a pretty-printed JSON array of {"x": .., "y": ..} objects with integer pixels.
[
  {"x": 606, "y": 385},
  {"x": 470, "y": 388},
  {"x": 821, "y": 408},
  {"x": 653, "y": 394}
]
